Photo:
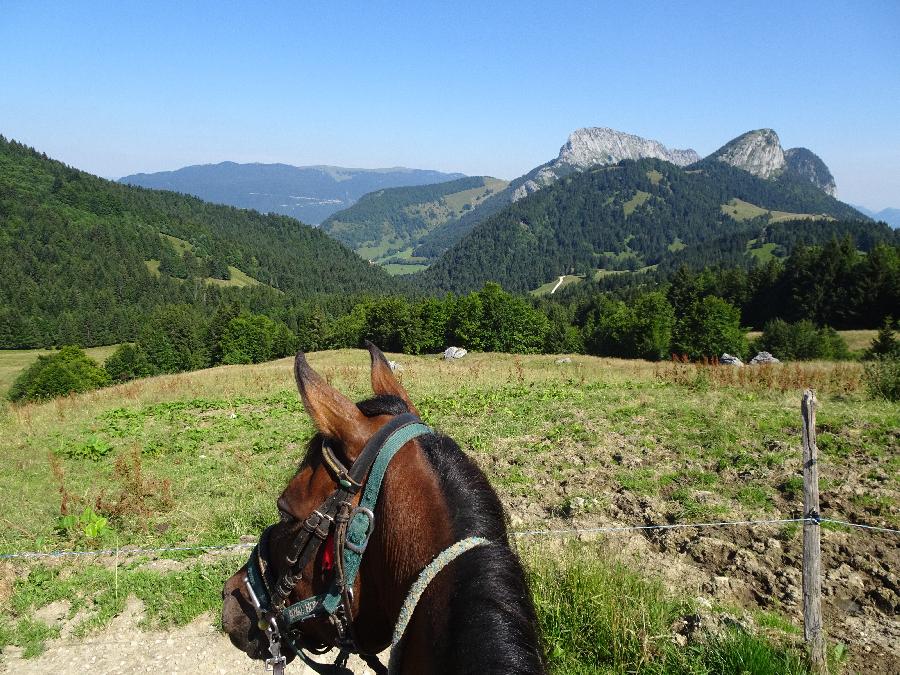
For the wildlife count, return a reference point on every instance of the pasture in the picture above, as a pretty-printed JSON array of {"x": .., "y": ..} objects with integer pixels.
[{"x": 199, "y": 458}]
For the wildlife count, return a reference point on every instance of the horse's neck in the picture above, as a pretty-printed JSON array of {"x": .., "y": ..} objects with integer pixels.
[
  {"x": 413, "y": 527},
  {"x": 474, "y": 620}
]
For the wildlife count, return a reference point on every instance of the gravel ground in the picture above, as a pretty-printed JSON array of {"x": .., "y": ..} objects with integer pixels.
[{"x": 124, "y": 648}]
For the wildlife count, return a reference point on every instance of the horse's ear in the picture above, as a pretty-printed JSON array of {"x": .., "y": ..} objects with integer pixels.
[
  {"x": 333, "y": 413},
  {"x": 383, "y": 380}
]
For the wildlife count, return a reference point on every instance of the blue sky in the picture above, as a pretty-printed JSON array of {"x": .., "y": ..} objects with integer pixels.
[{"x": 482, "y": 88}]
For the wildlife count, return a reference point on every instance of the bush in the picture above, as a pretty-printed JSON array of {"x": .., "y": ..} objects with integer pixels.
[
  {"x": 128, "y": 362},
  {"x": 642, "y": 330},
  {"x": 801, "y": 341},
  {"x": 885, "y": 343},
  {"x": 882, "y": 378},
  {"x": 710, "y": 327},
  {"x": 68, "y": 370}
]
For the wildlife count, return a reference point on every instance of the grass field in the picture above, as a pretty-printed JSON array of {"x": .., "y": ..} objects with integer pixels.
[
  {"x": 741, "y": 210},
  {"x": 199, "y": 458}
]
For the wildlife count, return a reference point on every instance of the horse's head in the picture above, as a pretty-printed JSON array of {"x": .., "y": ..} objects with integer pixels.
[{"x": 330, "y": 468}]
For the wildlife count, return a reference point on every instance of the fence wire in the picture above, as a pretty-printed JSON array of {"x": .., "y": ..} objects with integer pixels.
[{"x": 518, "y": 533}]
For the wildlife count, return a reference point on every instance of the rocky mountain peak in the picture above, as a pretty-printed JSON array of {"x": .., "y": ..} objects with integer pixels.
[
  {"x": 808, "y": 165},
  {"x": 759, "y": 152},
  {"x": 598, "y": 145},
  {"x": 602, "y": 145}
]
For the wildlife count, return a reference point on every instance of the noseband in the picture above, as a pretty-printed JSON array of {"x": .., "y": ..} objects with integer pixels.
[{"x": 351, "y": 528}]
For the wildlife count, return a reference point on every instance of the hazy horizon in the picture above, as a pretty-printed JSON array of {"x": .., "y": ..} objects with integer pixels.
[{"x": 118, "y": 90}]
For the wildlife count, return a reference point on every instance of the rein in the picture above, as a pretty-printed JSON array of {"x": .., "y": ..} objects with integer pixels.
[{"x": 351, "y": 527}]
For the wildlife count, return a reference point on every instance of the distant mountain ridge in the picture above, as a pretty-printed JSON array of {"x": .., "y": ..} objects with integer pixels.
[
  {"x": 889, "y": 215},
  {"x": 308, "y": 193},
  {"x": 758, "y": 153},
  {"x": 584, "y": 148}
]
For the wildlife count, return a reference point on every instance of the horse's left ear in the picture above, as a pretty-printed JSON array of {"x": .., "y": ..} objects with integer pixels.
[{"x": 383, "y": 380}]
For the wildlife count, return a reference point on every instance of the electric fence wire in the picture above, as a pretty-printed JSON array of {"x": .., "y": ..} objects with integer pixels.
[{"x": 516, "y": 533}]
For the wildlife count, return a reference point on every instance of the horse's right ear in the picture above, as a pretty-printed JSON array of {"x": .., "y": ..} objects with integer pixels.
[
  {"x": 334, "y": 414},
  {"x": 383, "y": 380}
]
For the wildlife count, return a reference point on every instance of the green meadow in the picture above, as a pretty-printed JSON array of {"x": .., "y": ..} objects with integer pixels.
[{"x": 198, "y": 459}]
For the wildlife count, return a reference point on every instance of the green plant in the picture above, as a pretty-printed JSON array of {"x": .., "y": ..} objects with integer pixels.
[
  {"x": 87, "y": 525},
  {"x": 94, "y": 449},
  {"x": 882, "y": 379}
]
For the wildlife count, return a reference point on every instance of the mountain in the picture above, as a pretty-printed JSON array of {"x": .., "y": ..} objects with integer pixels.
[
  {"x": 84, "y": 260},
  {"x": 308, "y": 193},
  {"x": 759, "y": 152},
  {"x": 384, "y": 226},
  {"x": 889, "y": 215},
  {"x": 597, "y": 146},
  {"x": 594, "y": 146},
  {"x": 631, "y": 215},
  {"x": 806, "y": 164}
]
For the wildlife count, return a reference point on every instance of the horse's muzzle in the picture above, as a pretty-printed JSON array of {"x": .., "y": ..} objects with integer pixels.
[{"x": 239, "y": 619}]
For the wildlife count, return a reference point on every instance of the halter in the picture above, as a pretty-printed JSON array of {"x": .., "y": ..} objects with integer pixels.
[{"x": 351, "y": 528}]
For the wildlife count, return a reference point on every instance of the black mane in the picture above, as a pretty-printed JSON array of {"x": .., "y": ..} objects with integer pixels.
[{"x": 492, "y": 622}]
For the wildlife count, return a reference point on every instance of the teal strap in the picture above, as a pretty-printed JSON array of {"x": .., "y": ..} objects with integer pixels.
[
  {"x": 358, "y": 530},
  {"x": 302, "y": 610}
]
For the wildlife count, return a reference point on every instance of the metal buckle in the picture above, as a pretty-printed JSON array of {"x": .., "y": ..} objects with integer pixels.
[
  {"x": 277, "y": 661},
  {"x": 359, "y": 548}
]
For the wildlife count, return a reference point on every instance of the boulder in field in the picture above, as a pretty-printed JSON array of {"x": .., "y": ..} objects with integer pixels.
[{"x": 454, "y": 353}]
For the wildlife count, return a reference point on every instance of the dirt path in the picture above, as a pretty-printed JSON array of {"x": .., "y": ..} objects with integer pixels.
[
  {"x": 558, "y": 284},
  {"x": 124, "y": 648}
]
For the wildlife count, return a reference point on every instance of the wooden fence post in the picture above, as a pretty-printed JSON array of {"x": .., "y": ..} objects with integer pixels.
[{"x": 812, "y": 562}]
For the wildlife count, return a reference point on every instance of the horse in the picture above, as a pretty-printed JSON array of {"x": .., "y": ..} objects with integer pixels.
[{"x": 439, "y": 581}]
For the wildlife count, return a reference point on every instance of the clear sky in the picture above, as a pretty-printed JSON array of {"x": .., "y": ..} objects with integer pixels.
[{"x": 482, "y": 88}]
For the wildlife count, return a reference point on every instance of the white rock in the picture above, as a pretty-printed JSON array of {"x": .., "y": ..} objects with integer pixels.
[
  {"x": 763, "y": 358},
  {"x": 728, "y": 360},
  {"x": 454, "y": 353}
]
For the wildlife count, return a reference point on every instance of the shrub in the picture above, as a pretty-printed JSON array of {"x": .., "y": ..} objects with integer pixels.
[
  {"x": 801, "y": 341},
  {"x": 68, "y": 370},
  {"x": 885, "y": 343},
  {"x": 710, "y": 327},
  {"x": 882, "y": 378},
  {"x": 642, "y": 330},
  {"x": 128, "y": 362}
]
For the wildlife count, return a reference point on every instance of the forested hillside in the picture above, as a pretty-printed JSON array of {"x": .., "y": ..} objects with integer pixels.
[
  {"x": 386, "y": 225},
  {"x": 84, "y": 260},
  {"x": 632, "y": 215}
]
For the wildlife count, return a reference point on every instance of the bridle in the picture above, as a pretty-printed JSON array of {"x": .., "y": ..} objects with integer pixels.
[{"x": 350, "y": 528}]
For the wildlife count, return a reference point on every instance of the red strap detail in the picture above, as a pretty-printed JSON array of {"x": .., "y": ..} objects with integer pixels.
[{"x": 328, "y": 553}]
